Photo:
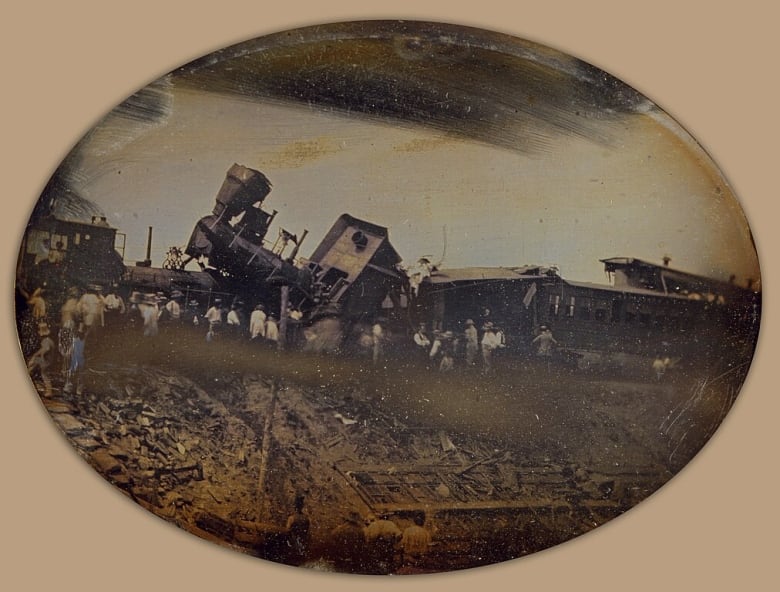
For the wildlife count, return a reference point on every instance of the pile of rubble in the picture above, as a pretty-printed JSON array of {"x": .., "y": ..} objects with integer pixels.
[{"x": 226, "y": 459}]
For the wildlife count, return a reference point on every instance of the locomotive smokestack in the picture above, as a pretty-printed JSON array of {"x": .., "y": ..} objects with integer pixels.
[
  {"x": 149, "y": 247},
  {"x": 148, "y": 261}
]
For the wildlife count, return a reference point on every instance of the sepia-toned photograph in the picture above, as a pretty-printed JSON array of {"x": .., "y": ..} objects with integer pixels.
[{"x": 387, "y": 297}]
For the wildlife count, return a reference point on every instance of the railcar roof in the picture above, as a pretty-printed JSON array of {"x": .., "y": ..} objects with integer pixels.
[
  {"x": 471, "y": 274},
  {"x": 625, "y": 290}
]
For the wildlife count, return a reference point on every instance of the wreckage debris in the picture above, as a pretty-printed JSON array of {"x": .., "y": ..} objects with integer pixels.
[{"x": 194, "y": 457}]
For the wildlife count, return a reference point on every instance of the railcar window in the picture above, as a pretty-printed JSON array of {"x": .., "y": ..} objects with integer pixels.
[
  {"x": 555, "y": 304},
  {"x": 584, "y": 306},
  {"x": 601, "y": 311},
  {"x": 617, "y": 305},
  {"x": 631, "y": 312},
  {"x": 60, "y": 241},
  {"x": 35, "y": 241}
]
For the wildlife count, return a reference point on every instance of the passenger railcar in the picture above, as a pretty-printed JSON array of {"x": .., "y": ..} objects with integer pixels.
[{"x": 589, "y": 319}]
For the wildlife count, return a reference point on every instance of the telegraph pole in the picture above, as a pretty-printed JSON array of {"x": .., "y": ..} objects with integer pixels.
[{"x": 283, "y": 309}]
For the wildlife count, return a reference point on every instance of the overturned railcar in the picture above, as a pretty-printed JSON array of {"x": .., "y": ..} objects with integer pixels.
[
  {"x": 345, "y": 280},
  {"x": 352, "y": 272}
]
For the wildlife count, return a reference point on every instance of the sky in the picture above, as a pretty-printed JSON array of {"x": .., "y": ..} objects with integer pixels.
[{"x": 555, "y": 164}]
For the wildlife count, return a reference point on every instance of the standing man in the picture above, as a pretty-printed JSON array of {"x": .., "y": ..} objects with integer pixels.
[
  {"x": 298, "y": 525},
  {"x": 37, "y": 305},
  {"x": 257, "y": 323},
  {"x": 382, "y": 537},
  {"x": 76, "y": 365},
  {"x": 190, "y": 315},
  {"x": 214, "y": 318},
  {"x": 272, "y": 330},
  {"x": 472, "y": 343},
  {"x": 422, "y": 344},
  {"x": 42, "y": 358},
  {"x": 347, "y": 544},
  {"x": 114, "y": 309},
  {"x": 150, "y": 313},
  {"x": 173, "y": 306},
  {"x": 489, "y": 345},
  {"x": 69, "y": 322},
  {"x": 92, "y": 307},
  {"x": 378, "y": 339},
  {"x": 415, "y": 541},
  {"x": 544, "y": 342},
  {"x": 234, "y": 321}
]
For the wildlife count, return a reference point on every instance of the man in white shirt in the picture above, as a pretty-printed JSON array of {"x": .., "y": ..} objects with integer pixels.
[
  {"x": 472, "y": 342},
  {"x": 257, "y": 322},
  {"x": 271, "y": 329},
  {"x": 489, "y": 345},
  {"x": 234, "y": 321},
  {"x": 174, "y": 307},
  {"x": 214, "y": 317},
  {"x": 91, "y": 307}
]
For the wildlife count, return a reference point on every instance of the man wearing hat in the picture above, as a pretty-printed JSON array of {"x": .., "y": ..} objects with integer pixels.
[
  {"x": 234, "y": 320},
  {"x": 544, "y": 341},
  {"x": 173, "y": 306},
  {"x": 447, "y": 362},
  {"x": 214, "y": 318},
  {"x": 114, "y": 307},
  {"x": 190, "y": 314},
  {"x": 422, "y": 343},
  {"x": 150, "y": 312},
  {"x": 42, "y": 358},
  {"x": 92, "y": 307}
]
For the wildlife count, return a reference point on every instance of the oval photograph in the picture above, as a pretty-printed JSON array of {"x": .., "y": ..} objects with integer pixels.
[{"x": 387, "y": 297}]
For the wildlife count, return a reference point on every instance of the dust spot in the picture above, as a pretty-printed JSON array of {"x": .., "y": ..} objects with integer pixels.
[
  {"x": 421, "y": 144},
  {"x": 297, "y": 154}
]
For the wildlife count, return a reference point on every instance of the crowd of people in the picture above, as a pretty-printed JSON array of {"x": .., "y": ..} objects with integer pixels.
[
  {"x": 86, "y": 313},
  {"x": 472, "y": 348},
  {"x": 76, "y": 327},
  {"x": 69, "y": 325}
]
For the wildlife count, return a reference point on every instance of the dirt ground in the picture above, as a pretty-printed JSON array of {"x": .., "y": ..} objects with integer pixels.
[{"x": 219, "y": 438}]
